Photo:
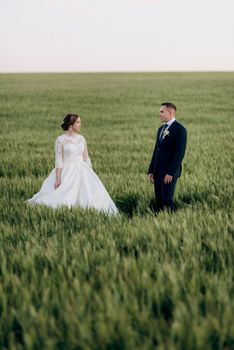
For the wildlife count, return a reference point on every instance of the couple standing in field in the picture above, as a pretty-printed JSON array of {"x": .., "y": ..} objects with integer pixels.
[{"x": 73, "y": 183}]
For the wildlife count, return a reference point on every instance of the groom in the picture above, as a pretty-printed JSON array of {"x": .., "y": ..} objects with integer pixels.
[{"x": 165, "y": 166}]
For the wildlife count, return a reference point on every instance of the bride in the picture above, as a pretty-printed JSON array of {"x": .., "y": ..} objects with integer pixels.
[{"x": 73, "y": 183}]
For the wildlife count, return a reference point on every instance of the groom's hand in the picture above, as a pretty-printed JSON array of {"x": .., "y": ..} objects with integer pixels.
[
  {"x": 168, "y": 179},
  {"x": 151, "y": 178}
]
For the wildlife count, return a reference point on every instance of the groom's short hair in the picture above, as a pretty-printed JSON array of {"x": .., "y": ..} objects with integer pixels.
[{"x": 169, "y": 105}]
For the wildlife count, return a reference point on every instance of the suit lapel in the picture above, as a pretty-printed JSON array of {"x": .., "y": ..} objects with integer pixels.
[
  {"x": 159, "y": 132},
  {"x": 170, "y": 129}
]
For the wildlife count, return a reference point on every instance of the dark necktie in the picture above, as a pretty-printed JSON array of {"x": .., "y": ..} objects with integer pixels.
[{"x": 161, "y": 133}]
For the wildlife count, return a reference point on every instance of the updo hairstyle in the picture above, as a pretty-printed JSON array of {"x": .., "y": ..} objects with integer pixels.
[{"x": 69, "y": 120}]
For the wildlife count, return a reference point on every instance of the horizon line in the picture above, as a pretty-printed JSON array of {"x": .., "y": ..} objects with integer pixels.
[{"x": 117, "y": 72}]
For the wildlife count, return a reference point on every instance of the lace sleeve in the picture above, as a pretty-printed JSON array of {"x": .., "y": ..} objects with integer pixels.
[
  {"x": 58, "y": 153},
  {"x": 86, "y": 156}
]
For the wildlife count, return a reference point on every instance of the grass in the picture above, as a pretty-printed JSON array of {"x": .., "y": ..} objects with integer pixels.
[{"x": 76, "y": 279}]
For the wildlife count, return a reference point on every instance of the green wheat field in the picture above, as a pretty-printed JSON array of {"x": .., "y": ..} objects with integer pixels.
[{"x": 75, "y": 279}]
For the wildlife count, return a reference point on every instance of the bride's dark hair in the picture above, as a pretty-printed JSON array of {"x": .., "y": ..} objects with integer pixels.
[{"x": 68, "y": 120}]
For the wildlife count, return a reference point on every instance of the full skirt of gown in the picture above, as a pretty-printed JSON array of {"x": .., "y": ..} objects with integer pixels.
[{"x": 80, "y": 187}]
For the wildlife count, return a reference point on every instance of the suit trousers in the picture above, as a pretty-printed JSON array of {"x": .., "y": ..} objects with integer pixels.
[{"x": 164, "y": 193}]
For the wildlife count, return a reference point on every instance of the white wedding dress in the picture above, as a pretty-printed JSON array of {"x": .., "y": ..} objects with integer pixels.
[{"x": 80, "y": 186}]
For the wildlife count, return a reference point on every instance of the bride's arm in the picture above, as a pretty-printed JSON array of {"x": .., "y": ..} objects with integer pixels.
[
  {"x": 86, "y": 156},
  {"x": 58, "y": 178},
  {"x": 58, "y": 162}
]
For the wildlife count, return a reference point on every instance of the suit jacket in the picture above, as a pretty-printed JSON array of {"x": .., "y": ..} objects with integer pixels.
[{"x": 169, "y": 151}]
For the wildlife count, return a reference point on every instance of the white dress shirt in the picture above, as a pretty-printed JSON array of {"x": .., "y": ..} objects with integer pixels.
[{"x": 170, "y": 122}]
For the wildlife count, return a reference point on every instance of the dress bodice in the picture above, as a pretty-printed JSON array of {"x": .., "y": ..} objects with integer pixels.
[
  {"x": 73, "y": 152},
  {"x": 70, "y": 149}
]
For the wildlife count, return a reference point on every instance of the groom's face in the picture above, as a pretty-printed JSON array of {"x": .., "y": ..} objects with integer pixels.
[{"x": 165, "y": 114}]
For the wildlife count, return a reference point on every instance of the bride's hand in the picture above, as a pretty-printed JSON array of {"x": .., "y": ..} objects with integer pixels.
[{"x": 57, "y": 183}]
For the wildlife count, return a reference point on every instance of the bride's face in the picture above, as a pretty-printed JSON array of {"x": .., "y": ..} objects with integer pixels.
[{"x": 76, "y": 126}]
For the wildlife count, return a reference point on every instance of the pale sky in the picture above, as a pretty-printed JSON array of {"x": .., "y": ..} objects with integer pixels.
[{"x": 116, "y": 35}]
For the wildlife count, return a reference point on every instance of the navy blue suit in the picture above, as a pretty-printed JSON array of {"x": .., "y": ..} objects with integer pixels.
[{"x": 167, "y": 160}]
